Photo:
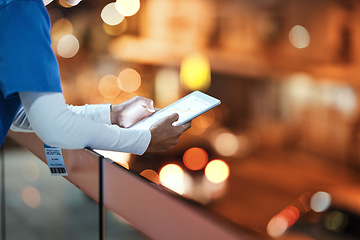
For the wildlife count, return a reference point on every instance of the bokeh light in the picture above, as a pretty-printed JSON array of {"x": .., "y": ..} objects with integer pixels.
[
  {"x": 298, "y": 91},
  {"x": 299, "y": 37},
  {"x": 277, "y": 226},
  {"x": 65, "y": 4},
  {"x": 73, "y": 2},
  {"x": 118, "y": 157},
  {"x": 195, "y": 158},
  {"x": 202, "y": 123},
  {"x": 166, "y": 87},
  {"x": 30, "y": 171},
  {"x": 127, "y": 7},
  {"x": 336, "y": 221},
  {"x": 217, "y": 171},
  {"x": 60, "y": 28},
  {"x": 291, "y": 214},
  {"x": 110, "y": 15},
  {"x": 282, "y": 221},
  {"x": 172, "y": 177},
  {"x": 129, "y": 80},
  {"x": 31, "y": 196},
  {"x": 151, "y": 175},
  {"x": 195, "y": 73},
  {"x": 320, "y": 201},
  {"x": 68, "y": 46},
  {"x": 115, "y": 30},
  {"x": 108, "y": 86},
  {"x": 345, "y": 99},
  {"x": 46, "y": 2},
  {"x": 226, "y": 144}
]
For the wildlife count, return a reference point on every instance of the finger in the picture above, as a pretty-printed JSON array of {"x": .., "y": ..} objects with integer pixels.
[
  {"x": 186, "y": 126},
  {"x": 147, "y": 103},
  {"x": 170, "y": 119}
]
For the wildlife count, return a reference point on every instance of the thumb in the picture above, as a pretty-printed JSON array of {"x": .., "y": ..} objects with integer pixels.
[{"x": 172, "y": 118}]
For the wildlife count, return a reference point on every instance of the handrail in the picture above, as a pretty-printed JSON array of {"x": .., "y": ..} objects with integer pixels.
[{"x": 152, "y": 210}]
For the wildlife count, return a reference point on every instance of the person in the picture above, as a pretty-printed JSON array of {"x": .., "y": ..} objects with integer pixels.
[{"x": 31, "y": 97}]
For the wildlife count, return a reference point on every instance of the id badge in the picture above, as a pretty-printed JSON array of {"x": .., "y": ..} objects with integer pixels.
[{"x": 55, "y": 161}]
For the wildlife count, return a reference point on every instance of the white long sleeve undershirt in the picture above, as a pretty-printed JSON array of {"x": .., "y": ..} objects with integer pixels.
[
  {"x": 97, "y": 112},
  {"x": 71, "y": 127}
]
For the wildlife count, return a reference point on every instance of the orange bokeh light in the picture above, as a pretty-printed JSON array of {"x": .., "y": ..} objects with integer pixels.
[
  {"x": 291, "y": 214},
  {"x": 195, "y": 158},
  {"x": 151, "y": 175},
  {"x": 282, "y": 221}
]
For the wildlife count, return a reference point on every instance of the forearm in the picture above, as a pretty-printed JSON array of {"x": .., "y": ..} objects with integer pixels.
[
  {"x": 56, "y": 125},
  {"x": 97, "y": 112}
]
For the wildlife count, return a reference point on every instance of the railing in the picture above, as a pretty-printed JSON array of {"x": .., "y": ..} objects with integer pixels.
[{"x": 151, "y": 209}]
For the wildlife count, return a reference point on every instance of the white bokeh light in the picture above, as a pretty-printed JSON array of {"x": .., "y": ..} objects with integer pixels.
[
  {"x": 299, "y": 37},
  {"x": 110, "y": 15},
  {"x": 320, "y": 201},
  {"x": 68, "y": 46}
]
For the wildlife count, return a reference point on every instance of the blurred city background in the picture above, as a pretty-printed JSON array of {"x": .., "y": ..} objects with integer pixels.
[{"x": 280, "y": 155}]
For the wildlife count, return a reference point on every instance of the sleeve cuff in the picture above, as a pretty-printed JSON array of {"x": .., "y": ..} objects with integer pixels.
[
  {"x": 104, "y": 112},
  {"x": 142, "y": 143}
]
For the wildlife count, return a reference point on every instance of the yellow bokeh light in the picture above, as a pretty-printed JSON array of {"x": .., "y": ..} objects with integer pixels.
[
  {"x": 110, "y": 15},
  {"x": 108, "y": 86},
  {"x": 68, "y": 46},
  {"x": 195, "y": 73},
  {"x": 31, "y": 196},
  {"x": 299, "y": 37},
  {"x": 129, "y": 80},
  {"x": 127, "y": 7},
  {"x": 166, "y": 87},
  {"x": 217, "y": 171},
  {"x": 172, "y": 177},
  {"x": 151, "y": 175}
]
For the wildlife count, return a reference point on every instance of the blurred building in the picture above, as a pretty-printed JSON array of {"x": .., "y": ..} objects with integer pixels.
[{"x": 286, "y": 72}]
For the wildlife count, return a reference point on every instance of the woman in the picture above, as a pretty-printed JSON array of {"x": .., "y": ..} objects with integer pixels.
[{"x": 31, "y": 94}]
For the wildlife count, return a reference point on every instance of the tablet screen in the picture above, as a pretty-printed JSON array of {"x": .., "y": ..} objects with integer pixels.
[{"x": 188, "y": 108}]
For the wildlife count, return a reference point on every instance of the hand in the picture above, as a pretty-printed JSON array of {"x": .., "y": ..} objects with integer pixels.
[
  {"x": 164, "y": 135},
  {"x": 132, "y": 111}
]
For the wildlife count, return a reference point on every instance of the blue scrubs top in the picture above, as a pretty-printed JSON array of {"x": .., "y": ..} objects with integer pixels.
[{"x": 27, "y": 62}]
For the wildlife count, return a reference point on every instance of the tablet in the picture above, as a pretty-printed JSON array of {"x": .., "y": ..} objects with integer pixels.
[{"x": 188, "y": 108}]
